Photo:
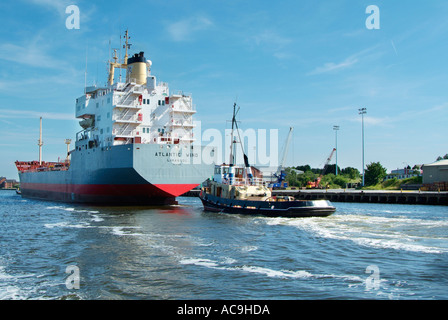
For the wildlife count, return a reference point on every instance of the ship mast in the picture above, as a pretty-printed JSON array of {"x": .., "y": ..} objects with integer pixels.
[
  {"x": 126, "y": 46},
  {"x": 233, "y": 149},
  {"x": 115, "y": 64},
  {"x": 233, "y": 141},
  {"x": 40, "y": 142}
]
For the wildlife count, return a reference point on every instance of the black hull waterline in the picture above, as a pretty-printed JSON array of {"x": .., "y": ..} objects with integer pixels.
[{"x": 287, "y": 209}]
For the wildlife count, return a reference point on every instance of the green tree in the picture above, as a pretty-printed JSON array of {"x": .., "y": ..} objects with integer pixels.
[
  {"x": 331, "y": 168},
  {"x": 374, "y": 174},
  {"x": 341, "y": 181},
  {"x": 291, "y": 177},
  {"x": 351, "y": 172},
  {"x": 304, "y": 168}
]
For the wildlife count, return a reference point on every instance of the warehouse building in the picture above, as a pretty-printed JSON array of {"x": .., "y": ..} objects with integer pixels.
[{"x": 435, "y": 175}]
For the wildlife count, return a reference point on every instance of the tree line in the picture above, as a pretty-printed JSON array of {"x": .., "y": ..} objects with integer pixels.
[{"x": 347, "y": 177}]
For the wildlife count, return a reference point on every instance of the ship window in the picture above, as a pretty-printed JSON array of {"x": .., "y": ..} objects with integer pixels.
[
  {"x": 101, "y": 131},
  {"x": 97, "y": 104},
  {"x": 98, "y": 118},
  {"x": 108, "y": 100}
]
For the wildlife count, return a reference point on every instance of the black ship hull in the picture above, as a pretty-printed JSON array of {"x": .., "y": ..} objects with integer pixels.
[{"x": 288, "y": 209}]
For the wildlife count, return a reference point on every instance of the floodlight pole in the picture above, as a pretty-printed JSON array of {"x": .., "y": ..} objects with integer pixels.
[
  {"x": 336, "y": 128},
  {"x": 362, "y": 111}
]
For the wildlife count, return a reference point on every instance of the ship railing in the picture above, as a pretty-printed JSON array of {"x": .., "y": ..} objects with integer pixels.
[
  {"x": 183, "y": 106},
  {"x": 125, "y": 101},
  {"x": 255, "y": 181},
  {"x": 139, "y": 89},
  {"x": 123, "y": 113},
  {"x": 126, "y": 131},
  {"x": 84, "y": 135},
  {"x": 34, "y": 166},
  {"x": 167, "y": 140},
  {"x": 127, "y": 118},
  {"x": 181, "y": 123},
  {"x": 130, "y": 89},
  {"x": 180, "y": 94}
]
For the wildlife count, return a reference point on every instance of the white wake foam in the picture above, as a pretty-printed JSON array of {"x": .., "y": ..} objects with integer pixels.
[{"x": 399, "y": 233}]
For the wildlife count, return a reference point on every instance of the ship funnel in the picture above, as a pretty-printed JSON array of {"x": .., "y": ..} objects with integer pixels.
[{"x": 137, "y": 69}]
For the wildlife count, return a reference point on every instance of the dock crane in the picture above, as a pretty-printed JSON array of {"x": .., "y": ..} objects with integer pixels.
[
  {"x": 316, "y": 183},
  {"x": 280, "y": 174}
]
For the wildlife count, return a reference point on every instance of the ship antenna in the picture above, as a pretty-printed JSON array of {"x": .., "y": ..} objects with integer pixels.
[
  {"x": 120, "y": 56},
  {"x": 246, "y": 160},
  {"x": 40, "y": 142},
  {"x": 126, "y": 46},
  {"x": 231, "y": 162},
  {"x": 85, "y": 75}
]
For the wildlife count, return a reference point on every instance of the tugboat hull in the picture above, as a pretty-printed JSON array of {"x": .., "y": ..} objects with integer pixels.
[{"x": 288, "y": 209}]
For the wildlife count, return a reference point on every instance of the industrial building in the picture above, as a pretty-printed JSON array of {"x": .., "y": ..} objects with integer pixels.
[{"x": 435, "y": 175}]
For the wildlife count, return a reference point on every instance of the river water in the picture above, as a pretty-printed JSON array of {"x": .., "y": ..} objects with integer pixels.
[{"x": 52, "y": 250}]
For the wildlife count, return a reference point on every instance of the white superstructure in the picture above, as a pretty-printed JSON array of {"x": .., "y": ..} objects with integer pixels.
[{"x": 140, "y": 110}]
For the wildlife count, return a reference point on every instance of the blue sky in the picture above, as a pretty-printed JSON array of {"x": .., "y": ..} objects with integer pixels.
[{"x": 306, "y": 64}]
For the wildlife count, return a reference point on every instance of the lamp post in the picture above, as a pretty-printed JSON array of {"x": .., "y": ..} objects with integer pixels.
[
  {"x": 336, "y": 128},
  {"x": 362, "y": 112}
]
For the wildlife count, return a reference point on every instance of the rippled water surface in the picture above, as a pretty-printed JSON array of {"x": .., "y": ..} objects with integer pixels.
[{"x": 363, "y": 251}]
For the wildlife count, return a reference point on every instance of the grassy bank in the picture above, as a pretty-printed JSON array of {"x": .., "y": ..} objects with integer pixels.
[{"x": 394, "y": 184}]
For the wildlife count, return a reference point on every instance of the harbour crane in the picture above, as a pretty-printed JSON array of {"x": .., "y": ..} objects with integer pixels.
[
  {"x": 280, "y": 174},
  {"x": 316, "y": 183}
]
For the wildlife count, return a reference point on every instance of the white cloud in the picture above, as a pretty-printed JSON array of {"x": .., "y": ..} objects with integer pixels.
[
  {"x": 16, "y": 114},
  {"x": 31, "y": 55},
  {"x": 331, "y": 66},
  {"x": 184, "y": 29},
  {"x": 59, "y": 5},
  {"x": 271, "y": 38},
  {"x": 368, "y": 54}
]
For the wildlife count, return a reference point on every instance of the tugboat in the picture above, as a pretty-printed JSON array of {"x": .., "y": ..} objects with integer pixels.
[{"x": 234, "y": 189}]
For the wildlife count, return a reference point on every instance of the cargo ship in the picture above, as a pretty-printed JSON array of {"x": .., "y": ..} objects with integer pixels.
[{"x": 135, "y": 146}]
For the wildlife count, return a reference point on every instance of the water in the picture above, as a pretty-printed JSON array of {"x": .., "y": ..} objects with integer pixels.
[{"x": 363, "y": 251}]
